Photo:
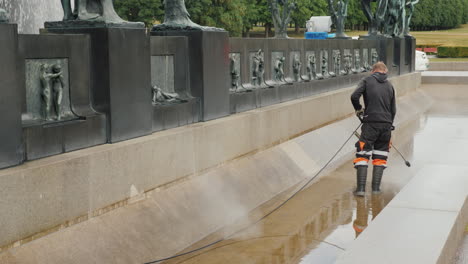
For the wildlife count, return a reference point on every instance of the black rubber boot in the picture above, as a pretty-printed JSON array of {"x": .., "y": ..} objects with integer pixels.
[
  {"x": 377, "y": 174},
  {"x": 361, "y": 172}
]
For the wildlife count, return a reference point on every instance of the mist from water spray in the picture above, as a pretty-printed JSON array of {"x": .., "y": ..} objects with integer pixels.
[{"x": 30, "y": 15}]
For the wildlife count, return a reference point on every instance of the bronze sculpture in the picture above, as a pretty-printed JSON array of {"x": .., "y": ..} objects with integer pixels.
[
  {"x": 339, "y": 12},
  {"x": 311, "y": 68},
  {"x": 52, "y": 83},
  {"x": 324, "y": 65},
  {"x": 348, "y": 59},
  {"x": 279, "y": 69},
  {"x": 375, "y": 18},
  {"x": 258, "y": 68},
  {"x": 410, "y": 4},
  {"x": 93, "y": 11},
  {"x": 297, "y": 66},
  {"x": 235, "y": 75},
  {"x": 365, "y": 59},
  {"x": 336, "y": 63},
  {"x": 176, "y": 15},
  {"x": 395, "y": 19},
  {"x": 375, "y": 57},
  {"x": 281, "y": 11},
  {"x": 357, "y": 62},
  {"x": 3, "y": 16},
  {"x": 161, "y": 97}
]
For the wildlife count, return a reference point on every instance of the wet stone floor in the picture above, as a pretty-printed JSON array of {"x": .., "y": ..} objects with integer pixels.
[
  {"x": 462, "y": 254},
  {"x": 318, "y": 224}
]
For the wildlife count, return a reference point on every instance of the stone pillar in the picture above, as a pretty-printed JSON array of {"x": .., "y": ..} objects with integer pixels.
[
  {"x": 399, "y": 55},
  {"x": 208, "y": 68},
  {"x": 120, "y": 78},
  {"x": 411, "y": 52},
  {"x": 11, "y": 145},
  {"x": 386, "y": 54}
]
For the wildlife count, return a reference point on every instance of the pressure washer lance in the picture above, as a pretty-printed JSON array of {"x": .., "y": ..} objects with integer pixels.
[{"x": 407, "y": 163}]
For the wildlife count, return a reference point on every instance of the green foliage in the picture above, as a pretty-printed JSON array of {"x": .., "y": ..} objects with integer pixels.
[
  {"x": 227, "y": 14},
  {"x": 356, "y": 16},
  {"x": 439, "y": 14},
  {"x": 240, "y": 16},
  {"x": 147, "y": 11},
  {"x": 452, "y": 52}
]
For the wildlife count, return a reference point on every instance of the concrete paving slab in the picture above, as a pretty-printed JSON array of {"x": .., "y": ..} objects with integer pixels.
[
  {"x": 438, "y": 187},
  {"x": 445, "y": 77},
  {"x": 402, "y": 235},
  {"x": 462, "y": 254}
]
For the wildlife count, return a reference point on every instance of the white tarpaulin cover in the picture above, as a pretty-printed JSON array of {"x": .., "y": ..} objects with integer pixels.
[{"x": 319, "y": 24}]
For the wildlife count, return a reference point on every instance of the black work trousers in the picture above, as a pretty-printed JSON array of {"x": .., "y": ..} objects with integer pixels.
[{"x": 374, "y": 142}]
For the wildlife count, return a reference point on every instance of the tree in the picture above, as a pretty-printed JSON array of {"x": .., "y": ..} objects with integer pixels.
[
  {"x": 281, "y": 11},
  {"x": 147, "y": 11},
  {"x": 251, "y": 16},
  {"x": 227, "y": 14}
]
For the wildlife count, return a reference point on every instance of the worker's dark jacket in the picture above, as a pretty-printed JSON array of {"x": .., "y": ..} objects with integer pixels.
[{"x": 379, "y": 99}]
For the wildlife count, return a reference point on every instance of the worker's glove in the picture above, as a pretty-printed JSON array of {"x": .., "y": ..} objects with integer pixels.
[{"x": 360, "y": 113}]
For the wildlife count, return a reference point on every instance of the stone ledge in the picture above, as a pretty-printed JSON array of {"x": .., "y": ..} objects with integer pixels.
[
  {"x": 449, "y": 66},
  {"x": 188, "y": 210},
  {"x": 445, "y": 77},
  {"x": 43, "y": 194}
]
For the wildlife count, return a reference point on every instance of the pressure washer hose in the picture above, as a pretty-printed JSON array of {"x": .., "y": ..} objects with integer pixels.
[{"x": 271, "y": 212}]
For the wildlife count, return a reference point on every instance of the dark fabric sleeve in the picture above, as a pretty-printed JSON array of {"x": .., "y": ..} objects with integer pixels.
[
  {"x": 356, "y": 96},
  {"x": 394, "y": 110}
]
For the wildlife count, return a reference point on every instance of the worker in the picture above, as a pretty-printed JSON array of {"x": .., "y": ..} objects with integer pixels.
[{"x": 377, "y": 117}]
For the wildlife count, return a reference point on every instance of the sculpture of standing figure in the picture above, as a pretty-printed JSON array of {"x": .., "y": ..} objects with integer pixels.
[
  {"x": 52, "y": 87},
  {"x": 348, "y": 58},
  {"x": 311, "y": 69},
  {"x": 93, "y": 10},
  {"x": 410, "y": 4},
  {"x": 336, "y": 64},
  {"x": 375, "y": 57},
  {"x": 57, "y": 87},
  {"x": 324, "y": 66},
  {"x": 3, "y": 16},
  {"x": 357, "y": 62},
  {"x": 279, "y": 69},
  {"x": 235, "y": 75},
  {"x": 365, "y": 59},
  {"x": 281, "y": 19},
  {"x": 258, "y": 68},
  {"x": 339, "y": 12},
  {"x": 396, "y": 18},
  {"x": 297, "y": 66},
  {"x": 375, "y": 19}
]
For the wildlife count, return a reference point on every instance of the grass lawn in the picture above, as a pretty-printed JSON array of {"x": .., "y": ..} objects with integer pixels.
[{"x": 447, "y": 59}]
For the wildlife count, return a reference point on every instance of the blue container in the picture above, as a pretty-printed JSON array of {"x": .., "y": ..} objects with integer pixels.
[
  {"x": 316, "y": 35},
  {"x": 333, "y": 35}
]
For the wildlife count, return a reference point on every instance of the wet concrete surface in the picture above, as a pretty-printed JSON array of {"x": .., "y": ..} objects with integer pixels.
[
  {"x": 319, "y": 223},
  {"x": 462, "y": 254}
]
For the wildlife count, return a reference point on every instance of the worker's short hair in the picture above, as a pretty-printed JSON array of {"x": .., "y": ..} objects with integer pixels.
[{"x": 379, "y": 67}]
